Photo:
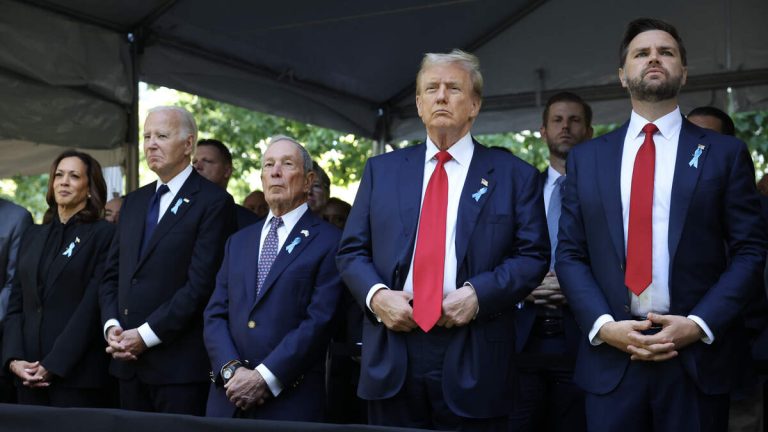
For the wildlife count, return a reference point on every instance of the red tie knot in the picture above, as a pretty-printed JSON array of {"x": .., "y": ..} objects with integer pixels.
[
  {"x": 442, "y": 157},
  {"x": 650, "y": 129}
]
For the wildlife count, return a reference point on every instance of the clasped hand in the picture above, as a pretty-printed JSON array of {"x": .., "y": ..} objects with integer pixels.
[
  {"x": 395, "y": 311},
  {"x": 246, "y": 389},
  {"x": 32, "y": 374},
  {"x": 124, "y": 345},
  {"x": 676, "y": 333}
]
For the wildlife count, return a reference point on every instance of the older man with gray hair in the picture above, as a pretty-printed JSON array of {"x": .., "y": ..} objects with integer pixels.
[
  {"x": 268, "y": 323},
  {"x": 443, "y": 240},
  {"x": 160, "y": 273}
]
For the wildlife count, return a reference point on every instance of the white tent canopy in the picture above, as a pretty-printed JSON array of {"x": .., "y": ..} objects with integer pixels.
[{"x": 69, "y": 68}]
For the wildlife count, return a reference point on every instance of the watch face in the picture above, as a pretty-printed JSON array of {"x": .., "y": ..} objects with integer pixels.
[{"x": 227, "y": 374}]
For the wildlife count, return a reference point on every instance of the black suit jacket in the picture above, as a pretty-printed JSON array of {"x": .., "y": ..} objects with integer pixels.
[
  {"x": 169, "y": 285},
  {"x": 58, "y": 324}
]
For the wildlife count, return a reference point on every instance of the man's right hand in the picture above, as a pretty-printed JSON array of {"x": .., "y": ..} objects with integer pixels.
[
  {"x": 26, "y": 371},
  {"x": 115, "y": 346},
  {"x": 393, "y": 309}
]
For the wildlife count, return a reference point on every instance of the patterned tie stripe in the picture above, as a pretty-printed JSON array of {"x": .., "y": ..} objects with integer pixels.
[{"x": 268, "y": 252}]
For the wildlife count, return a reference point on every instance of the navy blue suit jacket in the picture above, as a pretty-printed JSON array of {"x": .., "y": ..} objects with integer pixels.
[
  {"x": 525, "y": 316},
  {"x": 168, "y": 285},
  {"x": 501, "y": 249},
  {"x": 716, "y": 249},
  {"x": 292, "y": 315}
]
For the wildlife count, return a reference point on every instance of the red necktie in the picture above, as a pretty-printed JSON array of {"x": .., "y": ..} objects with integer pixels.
[
  {"x": 429, "y": 260},
  {"x": 640, "y": 232}
]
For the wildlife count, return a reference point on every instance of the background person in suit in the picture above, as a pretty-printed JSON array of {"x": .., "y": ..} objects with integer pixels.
[
  {"x": 547, "y": 334},
  {"x": 160, "y": 273},
  {"x": 661, "y": 314},
  {"x": 256, "y": 203},
  {"x": 213, "y": 161},
  {"x": 275, "y": 297},
  {"x": 14, "y": 220},
  {"x": 438, "y": 339},
  {"x": 53, "y": 343}
]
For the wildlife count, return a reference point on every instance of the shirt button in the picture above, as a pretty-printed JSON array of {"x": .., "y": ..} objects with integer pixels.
[{"x": 251, "y": 324}]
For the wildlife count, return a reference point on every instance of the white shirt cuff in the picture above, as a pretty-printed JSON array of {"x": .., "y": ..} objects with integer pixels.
[
  {"x": 272, "y": 382},
  {"x": 374, "y": 289},
  {"x": 477, "y": 311},
  {"x": 110, "y": 323},
  {"x": 709, "y": 336},
  {"x": 594, "y": 339},
  {"x": 148, "y": 336}
]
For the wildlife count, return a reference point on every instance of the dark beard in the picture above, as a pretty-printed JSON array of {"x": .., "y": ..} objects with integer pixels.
[{"x": 647, "y": 92}]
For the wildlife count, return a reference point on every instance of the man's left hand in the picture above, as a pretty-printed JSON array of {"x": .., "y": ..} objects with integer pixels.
[
  {"x": 246, "y": 389},
  {"x": 132, "y": 342},
  {"x": 677, "y": 333},
  {"x": 459, "y": 307}
]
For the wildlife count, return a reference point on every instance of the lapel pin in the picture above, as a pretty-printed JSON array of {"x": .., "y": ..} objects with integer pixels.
[
  {"x": 484, "y": 182},
  {"x": 695, "y": 159},
  {"x": 305, "y": 232},
  {"x": 68, "y": 253},
  {"x": 178, "y": 204},
  {"x": 293, "y": 244},
  {"x": 77, "y": 239},
  {"x": 479, "y": 193}
]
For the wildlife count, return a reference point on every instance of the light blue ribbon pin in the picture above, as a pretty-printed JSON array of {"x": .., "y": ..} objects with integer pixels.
[
  {"x": 176, "y": 206},
  {"x": 695, "y": 159},
  {"x": 479, "y": 193},
  {"x": 293, "y": 244},
  {"x": 68, "y": 253}
]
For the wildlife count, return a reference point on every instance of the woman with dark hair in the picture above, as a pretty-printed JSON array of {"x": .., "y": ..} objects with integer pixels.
[{"x": 53, "y": 343}]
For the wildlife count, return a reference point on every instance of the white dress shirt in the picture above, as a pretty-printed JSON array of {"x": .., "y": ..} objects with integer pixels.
[
  {"x": 456, "y": 169},
  {"x": 290, "y": 220},
  {"x": 655, "y": 298},
  {"x": 148, "y": 335}
]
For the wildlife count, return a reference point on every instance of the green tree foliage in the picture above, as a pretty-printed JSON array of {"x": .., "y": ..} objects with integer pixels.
[
  {"x": 29, "y": 192},
  {"x": 246, "y": 132}
]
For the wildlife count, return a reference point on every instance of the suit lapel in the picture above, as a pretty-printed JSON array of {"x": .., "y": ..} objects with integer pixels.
[
  {"x": 180, "y": 205},
  {"x": 472, "y": 199},
  {"x": 133, "y": 223},
  {"x": 300, "y": 236},
  {"x": 410, "y": 183},
  {"x": 82, "y": 234},
  {"x": 684, "y": 183},
  {"x": 251, "y": 262},
  {"x": 609, "y": 183}
]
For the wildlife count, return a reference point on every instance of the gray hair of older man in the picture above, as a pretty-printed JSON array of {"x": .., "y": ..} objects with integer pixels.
[
  {"x": 306, "y": 158},
  {"x": 187, "y": 122},
  {"x": 468, "y": 61}
]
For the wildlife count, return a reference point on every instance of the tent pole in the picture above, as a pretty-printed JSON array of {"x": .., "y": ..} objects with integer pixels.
[{"x": 131, "y": 148}]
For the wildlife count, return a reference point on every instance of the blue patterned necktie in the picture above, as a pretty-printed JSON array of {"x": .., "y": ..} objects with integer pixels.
[
  {"x": 268, "y": 253},
  {"x": 553, "y": 215},
  {"x": 153, "y": 215}
]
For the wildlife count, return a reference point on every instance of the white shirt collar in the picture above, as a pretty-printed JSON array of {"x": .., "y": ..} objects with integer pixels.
[
  {"x": 290, "y": 219},
  {"x": 461, "y": 152},
  {"x": 552, "y": 175},
  {"x": 177, "y": 182},
  {"x": 668, "y": 124}
]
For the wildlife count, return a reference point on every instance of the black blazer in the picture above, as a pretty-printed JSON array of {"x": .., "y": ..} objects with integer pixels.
[
  {"x": 169, "y": 285},
  {"x": 58, "y": 324}
]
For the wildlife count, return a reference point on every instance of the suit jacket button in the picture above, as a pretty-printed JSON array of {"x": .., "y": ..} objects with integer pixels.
[
  {"x": 125, "y": 312},
  {"x": 626, "y": 308},
  {"x": 251, "y": 324},
  {"x": 134, "y": 281},
  {"x": 39, "y": 309}
]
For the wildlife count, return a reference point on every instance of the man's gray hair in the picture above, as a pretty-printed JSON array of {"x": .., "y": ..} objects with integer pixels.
[
  {"x": 306, "y": 158},
  {"x": 186, "y": 121},
  {"x": 468, "y": 61}
]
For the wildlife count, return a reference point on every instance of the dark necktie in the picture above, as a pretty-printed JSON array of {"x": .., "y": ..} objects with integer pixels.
[
  {"x": 268, "y": 252},
  {"x": 153, "y": 215},
  {"x": 553, "y": 215},
  {"x": 640, "y": 231},
  {"x": 429, "y": 259}
]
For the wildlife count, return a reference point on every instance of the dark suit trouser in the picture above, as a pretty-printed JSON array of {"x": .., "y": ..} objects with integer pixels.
[
  {"x": 546, "y": 398},
  {"x": 420, "y": 402},
  {"x": 657, "y": 397},
  {"x": 170, "y": 398}
]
